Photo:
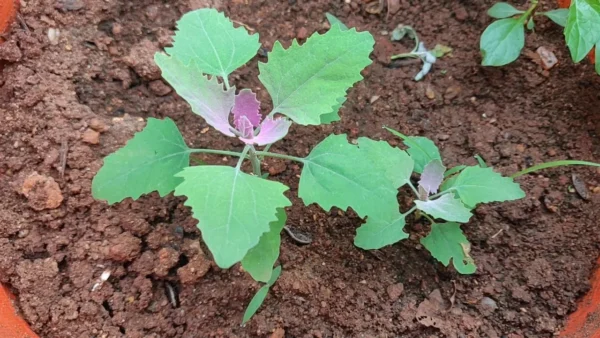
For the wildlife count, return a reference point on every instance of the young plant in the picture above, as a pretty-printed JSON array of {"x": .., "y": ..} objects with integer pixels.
[
  {"x": 502, "y": 41},
  {"x": 445, "y": 198},
  {"x": 428, "y": 57},
  {"x": 241, "y": 214}
]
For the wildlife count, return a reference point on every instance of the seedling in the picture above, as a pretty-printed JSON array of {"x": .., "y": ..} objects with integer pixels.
[
  {"x": 241, "y": 214},
  {"x": 502, "y": 41},
  {"x": 428, "y": 57},
  {"x": 445, "y": 198}
]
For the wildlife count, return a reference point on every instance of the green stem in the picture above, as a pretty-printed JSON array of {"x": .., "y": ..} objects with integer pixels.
[
  {"x": 428, "y": 218},
  {"x": 410, "y": 211},
  {"x": 551, "y": 165},
  {"x": 285, "y": 157},
  {"x": 226, "y": 81},
  {"x": 266, "y": 149},
  {"x": 531, "y": 9},
  {"x": 413, "y": 189},
  {"x": 440, "y": 194},
  {"x": 242, "y": 158},
  {"x": 255, "y": 160},
  {"x": 404, "y": 56},
  {"x": 218, "y": 152}
]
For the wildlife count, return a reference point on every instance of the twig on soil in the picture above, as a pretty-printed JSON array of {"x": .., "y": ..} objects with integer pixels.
[
  {"x": 496, "y": 234},
  {"x": 453, "y": 297},
  {"x": 64, "y": 149},
  {"x": 23, "y": 23},
  {"x": 245, "y": 26}
]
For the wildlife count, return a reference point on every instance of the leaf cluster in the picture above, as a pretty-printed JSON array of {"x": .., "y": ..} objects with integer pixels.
[{"x": 502, "y": 41}]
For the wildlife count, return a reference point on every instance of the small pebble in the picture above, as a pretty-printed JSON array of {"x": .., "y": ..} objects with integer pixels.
[
  {"x": 98, "y": 125},
  {"x": 90, "y": 136},
  {"x": 159, "y": 88},
  {"x": 489, "y": 303},
  {"x": 548, "y": 58},
  {"x": 53, "y": 36}
]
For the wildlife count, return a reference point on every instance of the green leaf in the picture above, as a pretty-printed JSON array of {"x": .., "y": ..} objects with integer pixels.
[
  {"x": 502, "y": 41},
  {"x": 233, "y": 208},
  {"x": 260, "y": 296},
  {"x": 446, "y": 207},
  {"x": 340, "y": 174},
  {"x": 421, "y": 149},
  {"x": 208, "y": 39},
  {"x": 378, "y": 232},
  {"x": 530, "y": 24},
  {"x": 335, "y": 21},
  {"x": 597, "y": 61},
  {"x": 260, "y": 259},
  {"x": 446, "y": 241},
  {"x": 333, "y": 116},
  {"x": 396, "y": 164},
  {"x": 559, "y": 16},
  {"x": 146, "y": 163},
  {"x": 482, "y": 185},
  {"x": 582, "y": 31},
  {"x": 448, "y": 182},
  {"x": 503, "y": 10},
  {"x": 274, "y": 276},
  {"x": 307, "y": 81},
  {"x": 206, "y": 97}
]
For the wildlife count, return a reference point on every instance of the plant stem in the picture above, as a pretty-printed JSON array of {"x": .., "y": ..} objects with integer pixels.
[
  {"x": 266, "y": 149},
  {"x": 255, "y": 160},
  {"x": 551, "y": 165},
  {"x": 428, "y": 218},
  {"x": 285, "y": 157},
  {"x": 218, "y": 152},
  {"x": 242, "y": 158},
  {"x": 404, "y": 56},
  {"x": 410, "y": 211},
  {"x": 530, "y": 10},
  {"x": 225, "y": 81},
  {"x": 440, "y": 193},
  {"x": 413, "y": 189}
]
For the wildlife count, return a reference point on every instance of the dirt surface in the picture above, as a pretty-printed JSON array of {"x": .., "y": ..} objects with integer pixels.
[{"x": 69, "y": 99}]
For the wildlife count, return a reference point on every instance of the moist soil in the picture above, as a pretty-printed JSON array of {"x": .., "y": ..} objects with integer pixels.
[{"x": 69, "y": 99}]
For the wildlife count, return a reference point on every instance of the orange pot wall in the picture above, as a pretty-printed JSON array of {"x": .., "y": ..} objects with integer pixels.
[
  {"x": 11, "y": 325},
  {"x": 585, "y": 322},
  {"x": 8, "y": 13}
]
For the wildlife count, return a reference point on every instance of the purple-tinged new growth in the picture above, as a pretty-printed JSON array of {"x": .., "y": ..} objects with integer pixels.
[
  {"x": 248, "y": 125},
  {"x": 432, "y": 177}
]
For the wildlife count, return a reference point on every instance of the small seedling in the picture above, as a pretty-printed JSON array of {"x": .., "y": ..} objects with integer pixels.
[
  {"x": 502, "y": 41},
  {"x": 445, "y": 198},
  {"x": 428, "y": 57},
  {"x": 241, "y": 214}
]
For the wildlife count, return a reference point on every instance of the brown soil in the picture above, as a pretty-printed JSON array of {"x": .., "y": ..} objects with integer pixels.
[{"x": 68, "y": 103}]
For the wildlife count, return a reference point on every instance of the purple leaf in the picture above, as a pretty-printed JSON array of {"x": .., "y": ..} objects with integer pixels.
[
  {"x": 245, "y": 127},
  {"x": 432, "y": 177},
  {"x": 271, "y": 131},
  {"x": 246, "y": 105}
]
